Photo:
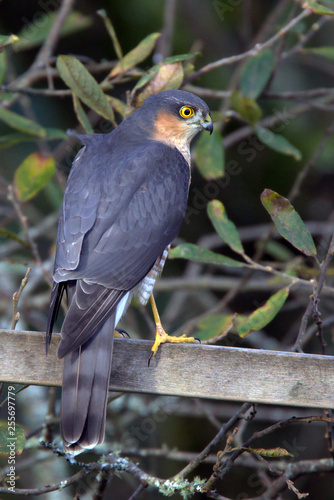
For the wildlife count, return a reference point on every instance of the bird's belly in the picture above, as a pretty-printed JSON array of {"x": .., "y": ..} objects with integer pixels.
[{"x": 145, "y": 287}]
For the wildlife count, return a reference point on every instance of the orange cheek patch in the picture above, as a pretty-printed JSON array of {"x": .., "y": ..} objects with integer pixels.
[{"x": 170, "y": 129}]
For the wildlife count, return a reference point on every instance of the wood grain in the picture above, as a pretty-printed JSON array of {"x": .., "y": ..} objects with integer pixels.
[{"x": 224, "y": 373}]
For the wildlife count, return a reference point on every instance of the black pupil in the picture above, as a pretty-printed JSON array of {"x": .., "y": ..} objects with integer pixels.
[{"x": 187, "y": 111}]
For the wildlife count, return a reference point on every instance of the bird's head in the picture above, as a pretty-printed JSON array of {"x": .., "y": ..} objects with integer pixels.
[{"x": 176, "y": 116}]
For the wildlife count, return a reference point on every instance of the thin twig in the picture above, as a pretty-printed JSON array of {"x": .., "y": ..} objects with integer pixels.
[
  {"x": 252, "y": 52},
  {"x": 16, "y": 298}
]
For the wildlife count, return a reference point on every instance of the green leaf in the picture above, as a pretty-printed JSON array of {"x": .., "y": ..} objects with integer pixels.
[
  {"x": 9, "y": 140},
  {"x": 34, "y": 34},
  {"x": 19, "y": 122},
  {"x": 246, "y": 107},
  {"x": 198, "y": 254},
  {"x": 84, "y": 85},
  {"x": 81, "y": 115},
  {"x": 265, "y": 314},
  {"x": 112, "y": 33},
  {"x": 136, "y": 55},
  {"x": 12, "y": 438},
  {"x": 12, "y": 236},
  {"x": 327, "y": 52},
  {"x": 288, "y": 222},
  {"x": 277, "y": 143},
  {"x": 217, "y": 325},
  {"x": 165, "y": 77},
  {"x": 6, "y": 40},
  {"x": 318, "y": 7},
  {"x": 210, "y": 155},
  {"x": 3, "y": 66},
  {"x": 33, "y": 174},
  {"x": 256, "y": 73},
  {"x": 180, "y": 57},
  {"x": 224, "y": 227}
]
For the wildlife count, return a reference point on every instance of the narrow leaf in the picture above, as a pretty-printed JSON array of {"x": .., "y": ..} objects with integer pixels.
[
  {"x": 8, "y": 140},
  {"x": 34, "y": 34},
  {"x": 288, "y": 222},
  {"x": 269, "y": 453},
  {"x": 198, "y": 254},
  {"x": 3, "y": 66},
  {"x": 180, "y": 57},
  {"x": 246, "y": 107},
  {"x": 277, "y": 143},
  {"x": 84, "y": 85},
  {"x": 12, "y": 236},
  {"x": 215, "y": 327},
  {"x": 19, "y": 122},
  {"x": 33, "y": 174},
  {"x": 166, "y": 77},
  {"x": 118, "y": 105},
  {"x": 6, "y": 40},
  {"x": 136, "y": 55},
  {"x": 210, "y": 155},
  {"x": 256, "y": 73},
  {"x": 265, "y": 314},
  {"x": 224, "y": 227},
  {"x": 112, "y": 33},
  {"x": 318, "y": 8},
  {"x": 327, "y": 52},
  {"x": 12, "y": 438},
  {"x": 81, "y": 115}
]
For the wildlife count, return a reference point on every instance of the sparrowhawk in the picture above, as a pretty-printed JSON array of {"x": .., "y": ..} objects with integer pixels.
[{"x": 124, "y": 203}]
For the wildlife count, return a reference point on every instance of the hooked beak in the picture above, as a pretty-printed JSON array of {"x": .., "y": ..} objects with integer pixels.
[{"x": 207, "y": 124}]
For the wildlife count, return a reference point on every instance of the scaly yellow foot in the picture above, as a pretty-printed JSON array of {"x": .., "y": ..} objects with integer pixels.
[{"x": 161, "y": 336}]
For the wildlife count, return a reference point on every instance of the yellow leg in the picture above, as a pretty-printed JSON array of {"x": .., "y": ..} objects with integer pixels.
[{"x": 161, "y": 336}]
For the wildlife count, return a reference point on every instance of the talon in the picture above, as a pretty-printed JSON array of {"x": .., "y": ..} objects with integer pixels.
[
  {"x": 123, "y": 333},
  {"x": 161, "y": 336},
  {"x": 198, "y": 340},
  {"x": 150, "y": 357},
  {"x": 118, "y": 333}
]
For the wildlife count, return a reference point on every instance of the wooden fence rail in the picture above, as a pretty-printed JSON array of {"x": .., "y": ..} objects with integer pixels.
[{"x": 224, "y": 373}]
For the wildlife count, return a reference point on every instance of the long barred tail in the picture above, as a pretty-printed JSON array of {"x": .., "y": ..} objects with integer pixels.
[{"x": 85, "y": 390}]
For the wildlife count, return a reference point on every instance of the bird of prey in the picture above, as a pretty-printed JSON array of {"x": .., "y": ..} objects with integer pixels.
[{"x": 124, "y": 203}]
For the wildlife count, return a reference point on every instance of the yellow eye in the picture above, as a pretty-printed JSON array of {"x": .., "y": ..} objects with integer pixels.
[{"x": 186, "y": 112}]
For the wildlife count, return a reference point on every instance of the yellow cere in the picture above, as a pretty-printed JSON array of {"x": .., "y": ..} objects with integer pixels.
[{"x": 186, "y": 112}]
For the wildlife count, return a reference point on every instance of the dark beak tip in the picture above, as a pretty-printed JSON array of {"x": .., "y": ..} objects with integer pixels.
[{"x": 208, "y": 126}]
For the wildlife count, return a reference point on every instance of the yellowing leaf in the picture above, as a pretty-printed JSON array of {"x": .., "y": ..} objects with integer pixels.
[
  {"x": 162, "y": 77},
  {"x": 288, "y": 222},
  {"x": 135, "y": 56},
  {"x": 246, "y": 107},
  {"x": 7, "y": 40},
  {"x": 12, "y": 439},
  {"x": 210, "y": 156},
  {"x": 256, "y": 73},
  {"x": 19, "y": 122},
  {"x": 277, "y": 142},
  {"x": 198, "y": 254},
  {"x": 32, "y": 175},
  {"x": 269, "y": 453},
  {"x": 265, "y": 314},
  {"x": 84, "y": 85},
  {"x": 224, "y": 227}
]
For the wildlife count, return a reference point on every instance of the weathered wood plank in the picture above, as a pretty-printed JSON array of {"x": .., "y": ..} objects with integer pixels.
[{"x": 224, "y": 373}]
